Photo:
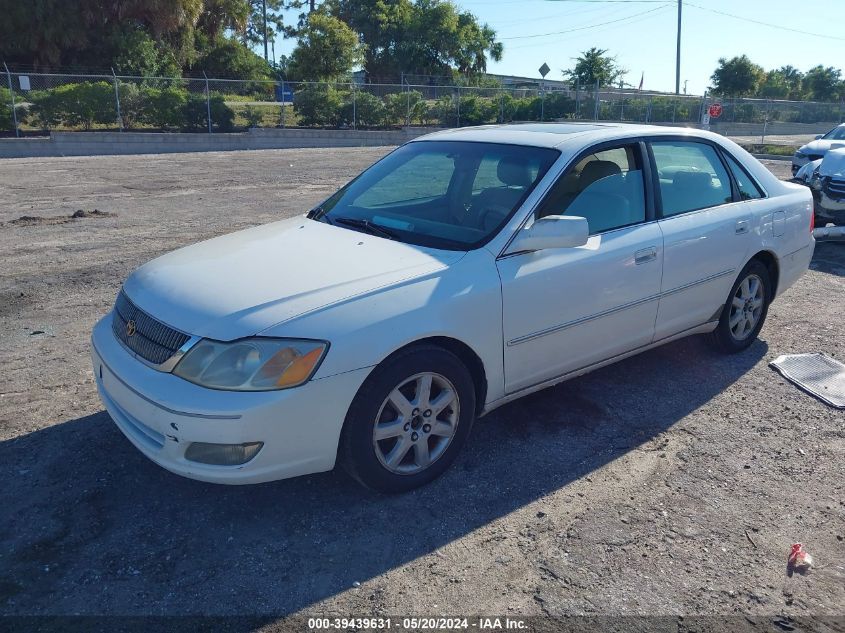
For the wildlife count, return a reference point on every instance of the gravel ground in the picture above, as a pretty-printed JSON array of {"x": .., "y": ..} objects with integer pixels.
[{"x": 670, "y": 483}]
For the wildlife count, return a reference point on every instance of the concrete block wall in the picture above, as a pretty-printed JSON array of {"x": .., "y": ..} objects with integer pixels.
[{"x": 112, "y": 143}]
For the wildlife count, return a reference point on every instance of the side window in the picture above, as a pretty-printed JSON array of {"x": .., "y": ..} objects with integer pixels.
[
  {"x": 691, "y": 176},
  {"x": 748, "y": 190},
  {"x": 424, "y": 176},
  {"x": 605, "y": 187}
]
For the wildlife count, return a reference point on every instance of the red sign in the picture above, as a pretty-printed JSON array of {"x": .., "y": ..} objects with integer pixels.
[{"x": 715, "y": 110}]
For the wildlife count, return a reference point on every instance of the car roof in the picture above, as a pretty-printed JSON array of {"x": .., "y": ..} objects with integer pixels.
[{"x": 556, "y": 134}]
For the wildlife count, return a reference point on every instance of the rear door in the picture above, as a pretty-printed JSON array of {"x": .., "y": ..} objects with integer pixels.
[{"x": 707, "y": 233}]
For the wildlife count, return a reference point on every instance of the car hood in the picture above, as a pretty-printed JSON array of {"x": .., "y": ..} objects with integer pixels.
[
  {"x": 819, "y": 146},
  {"x": 833, "y": 163},
  {"x": 240, "y": 284}
]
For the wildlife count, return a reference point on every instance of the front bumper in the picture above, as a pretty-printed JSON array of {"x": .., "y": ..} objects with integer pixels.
[
  {"x": 162, "y": 414},
  {"x": 831, "y": 209}
]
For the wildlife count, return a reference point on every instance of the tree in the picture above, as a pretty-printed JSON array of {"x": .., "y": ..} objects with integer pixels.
[
  {"x": 427, "y": 37},
  {"x": 737, "y": 77},
  {"x": 774, "y": 85},
  {"x": 228, "y": 58},
  {"x": 327, "y": 48},
  {"x": 135, "y": 36},
  {"x": 823, "y": 84},
  {"x": 595, "y": 65},
  {"x": 793, "y": 79},
  {"x": 253, "y": 34},
  {"x": 137, "y": 53}
]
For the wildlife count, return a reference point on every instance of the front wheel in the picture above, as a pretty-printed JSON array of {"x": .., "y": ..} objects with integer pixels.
[
  {"x": 409, "y": 420},
  {"x": 745, "y": 310}
]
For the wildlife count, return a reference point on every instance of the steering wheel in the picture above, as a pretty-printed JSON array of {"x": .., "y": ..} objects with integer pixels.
[{"x": 484, "y": 217}]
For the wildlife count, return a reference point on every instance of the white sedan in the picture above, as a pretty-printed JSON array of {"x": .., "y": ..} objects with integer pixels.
[
  {"x": 463, "y": 270},
  {"x": 816, "y": 150}
]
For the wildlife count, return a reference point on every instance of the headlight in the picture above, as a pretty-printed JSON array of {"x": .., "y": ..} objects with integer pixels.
[
  {"x": 253, "y": 364},
  {"x": 800, "y": 155},
  {"x": 815, "y": 180}
]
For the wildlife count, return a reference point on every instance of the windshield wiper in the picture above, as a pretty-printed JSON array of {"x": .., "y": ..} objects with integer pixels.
[
  {"x": 316, "y": 213},
  {"x": 367, "y": 226}
]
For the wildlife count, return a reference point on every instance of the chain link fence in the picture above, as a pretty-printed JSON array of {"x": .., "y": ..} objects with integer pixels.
[{"x": 33, "y": 103}]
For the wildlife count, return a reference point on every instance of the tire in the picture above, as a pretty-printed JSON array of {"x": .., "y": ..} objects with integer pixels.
[
  {"x": 386, "y": 406},
  {"x": 740, "y": 323}
]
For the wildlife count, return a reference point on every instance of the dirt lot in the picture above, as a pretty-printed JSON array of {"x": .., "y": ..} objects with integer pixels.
[{"x": 671, "y": 483}]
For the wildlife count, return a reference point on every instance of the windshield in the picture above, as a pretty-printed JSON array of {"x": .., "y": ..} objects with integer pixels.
[
  {"x": 444, "y": 194},
  {"x": 836, "y": 134}
]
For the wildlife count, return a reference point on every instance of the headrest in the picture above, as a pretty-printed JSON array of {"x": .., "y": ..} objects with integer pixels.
[
  {"x": 514, "y": 173},
  {"x": 596, "y": 170},
  {"x": 693, "y": 179}
]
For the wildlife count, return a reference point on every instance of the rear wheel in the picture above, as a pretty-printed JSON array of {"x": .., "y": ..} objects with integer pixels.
[
  {"x": 409, "y": 420},
  {"x": 745, "y": 310}
]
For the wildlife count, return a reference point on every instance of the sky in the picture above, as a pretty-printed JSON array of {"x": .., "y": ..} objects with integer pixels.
[{"x": 642, "y": 35}]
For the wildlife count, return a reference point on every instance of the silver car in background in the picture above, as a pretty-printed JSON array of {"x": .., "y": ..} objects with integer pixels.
[{"x": 815, "y": 150}]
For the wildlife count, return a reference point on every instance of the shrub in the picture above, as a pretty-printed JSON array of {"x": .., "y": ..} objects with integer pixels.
[
  {"x": 165, "y": 107},
  {"x": 87, "y": 103},
  {"x": 363, "y": 110},
  {"x": 527, "y": 109},
  {"x": 477, "y": 110},
  {"x": 253, "y": 116},
  {"x": 404, "y": 107},
  {"x": 132, "y": 104},
  {"x": 74, "y": 105},
  {"x": 558, "y": 106},
  {"x": 6, "y": 119},
  {"x": 44, "y": 109},
  {"x": 319, "y": 104},
  {"x": 195, "y": 113},
  {"x": 444, "y": 111}
]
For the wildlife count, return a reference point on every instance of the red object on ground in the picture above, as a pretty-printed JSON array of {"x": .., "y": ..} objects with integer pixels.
[
  {"x": 715, "y": 110},
  {"x": 799, "y": 558}
]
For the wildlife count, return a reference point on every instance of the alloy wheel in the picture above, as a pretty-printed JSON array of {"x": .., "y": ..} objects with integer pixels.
[
  {"x": 416, "y": 423},
  {"x": 746, "y": 307}
]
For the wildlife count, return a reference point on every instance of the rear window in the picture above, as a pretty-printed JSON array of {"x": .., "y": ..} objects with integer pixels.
[{"x": 748, "y": 189}]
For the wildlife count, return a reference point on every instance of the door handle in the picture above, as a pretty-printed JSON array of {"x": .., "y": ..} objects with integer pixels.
[
  {"x": 741, "y": 227},
  {"x": 645, "y": 255}
]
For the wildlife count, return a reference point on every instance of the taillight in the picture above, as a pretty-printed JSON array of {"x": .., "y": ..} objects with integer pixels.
[{"x": 812, "y": 220}]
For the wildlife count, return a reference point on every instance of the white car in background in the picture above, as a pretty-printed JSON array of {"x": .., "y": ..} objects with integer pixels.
[
  {"x": 826, "y": 178},
  {"x": 815, "y": 150},
  {"x": 464, "y": 270}
]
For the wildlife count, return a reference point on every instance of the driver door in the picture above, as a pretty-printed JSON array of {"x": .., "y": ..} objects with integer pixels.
[{"x": 566, "y": 309}]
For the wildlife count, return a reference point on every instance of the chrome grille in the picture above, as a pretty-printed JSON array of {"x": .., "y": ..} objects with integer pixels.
[
  {"x": 835, "y": 188},
  {"x": 153, "y": 341}
]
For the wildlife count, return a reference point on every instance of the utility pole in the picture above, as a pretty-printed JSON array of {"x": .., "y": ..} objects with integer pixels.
[
  {"x": 264, "y": 11},
  {"x": 678, "y": 58}
]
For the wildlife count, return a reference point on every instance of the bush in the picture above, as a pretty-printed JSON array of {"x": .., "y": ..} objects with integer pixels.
[
  {"x": 165, "y": 107},
  {"x": 253, "y": 116},
  {"x": 132, "y": 104},
  {"x": 444, "y": 111},
  {"x": 6, "y": 119},
  {"x": 404, "y": 108},
  {"x": 363, "y": 110},
  {"x": 558, "y": 106},
  {"x": 317, "y": 104},
  {"x": 195, "y": 113},
  {"x": 74, "y": 105},
  {"x": 44, "y": 109},
  {"x": 87, "y": 103},
  {"x": 477, "y": 110}
]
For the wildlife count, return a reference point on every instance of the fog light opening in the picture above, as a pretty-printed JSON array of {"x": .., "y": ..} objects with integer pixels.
[{"x": 222, "y": 454}]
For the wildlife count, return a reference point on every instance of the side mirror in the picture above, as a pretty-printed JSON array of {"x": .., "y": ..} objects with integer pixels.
[
  {"x": 552, "y": 231},
  {"x": 818, "y": 136}
]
